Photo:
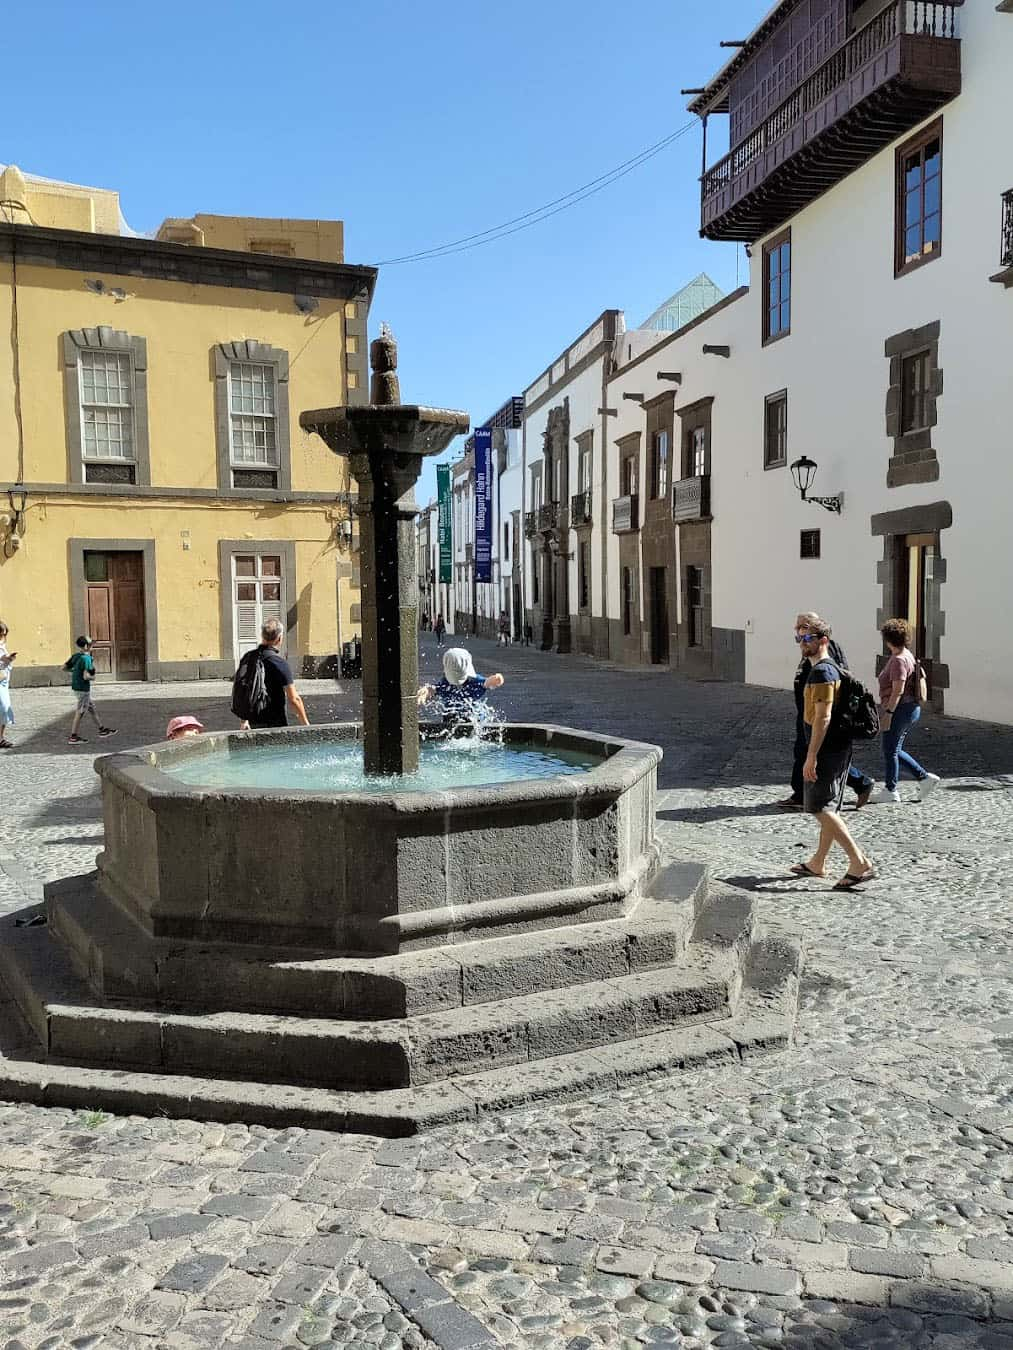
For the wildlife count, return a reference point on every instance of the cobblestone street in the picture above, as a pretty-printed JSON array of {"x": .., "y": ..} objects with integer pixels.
[{"x": 855, "y": 1190}]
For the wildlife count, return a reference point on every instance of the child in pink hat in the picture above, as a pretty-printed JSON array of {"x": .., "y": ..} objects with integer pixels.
[{"x": 181, "y": 727}]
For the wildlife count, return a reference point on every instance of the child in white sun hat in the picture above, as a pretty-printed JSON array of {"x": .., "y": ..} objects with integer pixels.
[{"x": 461, "y": 692}]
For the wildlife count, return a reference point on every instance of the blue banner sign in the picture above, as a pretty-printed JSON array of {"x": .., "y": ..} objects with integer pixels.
[{"x": 483, "y": 505}]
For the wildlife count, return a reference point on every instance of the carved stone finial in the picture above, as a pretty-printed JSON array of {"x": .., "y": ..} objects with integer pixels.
[{"x": 384, "y": 386}]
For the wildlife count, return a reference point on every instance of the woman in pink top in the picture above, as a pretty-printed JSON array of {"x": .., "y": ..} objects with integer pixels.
[{"x": 899, "y": 710}]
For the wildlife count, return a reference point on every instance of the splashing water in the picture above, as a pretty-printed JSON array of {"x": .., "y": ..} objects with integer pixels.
[{"x": 450, "y": 761}]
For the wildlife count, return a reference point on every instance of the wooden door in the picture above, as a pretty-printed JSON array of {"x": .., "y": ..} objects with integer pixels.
[
  {"x": 917, "y": 574},
  {"x": 114, "y": 604},
  {"x": 659, "y": 616}
]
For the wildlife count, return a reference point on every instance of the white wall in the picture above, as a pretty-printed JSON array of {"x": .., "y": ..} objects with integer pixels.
[{"x": 845, "y": 304}]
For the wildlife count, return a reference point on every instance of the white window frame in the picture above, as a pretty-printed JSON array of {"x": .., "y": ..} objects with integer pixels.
[
  {"x": 262, "y": 609},
  {"x": 269, "y": 419},
  {"x": 121, "y": 359}
]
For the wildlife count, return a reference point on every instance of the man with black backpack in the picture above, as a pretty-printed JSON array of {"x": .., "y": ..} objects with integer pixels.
[
  {"x": 263, "y": 688},
  {"x": 835, "y": 712}
]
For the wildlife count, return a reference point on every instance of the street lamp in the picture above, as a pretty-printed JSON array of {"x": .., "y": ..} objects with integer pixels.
[{"x": 803, "y": 471}]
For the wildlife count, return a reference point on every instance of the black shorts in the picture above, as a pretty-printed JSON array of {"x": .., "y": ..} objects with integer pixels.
[{"x": 827, "y": 793}]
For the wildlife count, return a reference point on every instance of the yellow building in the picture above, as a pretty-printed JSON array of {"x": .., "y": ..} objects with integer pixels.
[{"x": 162, "y": 495}]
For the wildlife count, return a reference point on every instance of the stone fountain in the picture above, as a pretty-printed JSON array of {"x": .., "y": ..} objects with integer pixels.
[{"x": 392, "y": 956}]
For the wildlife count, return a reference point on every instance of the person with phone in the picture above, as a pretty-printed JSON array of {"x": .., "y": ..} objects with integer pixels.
[{"x": 6, "y": 711}]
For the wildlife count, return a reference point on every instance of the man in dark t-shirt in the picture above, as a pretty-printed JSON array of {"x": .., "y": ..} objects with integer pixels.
[{"x": 281, "y": 691}]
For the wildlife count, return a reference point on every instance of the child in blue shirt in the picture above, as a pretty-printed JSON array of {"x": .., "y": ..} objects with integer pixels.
[{"x": 461, "y": 694}]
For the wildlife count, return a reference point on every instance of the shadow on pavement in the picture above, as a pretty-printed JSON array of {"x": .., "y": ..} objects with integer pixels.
[{"x": 142, "y": 721}]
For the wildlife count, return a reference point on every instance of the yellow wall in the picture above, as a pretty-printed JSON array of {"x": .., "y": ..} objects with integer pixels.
[
  {"x": 35, "y": 599},
  {"x": 181, "y": 324},
  {"x": 320, "y": 239},
  {"x": 65, "y": 206}
]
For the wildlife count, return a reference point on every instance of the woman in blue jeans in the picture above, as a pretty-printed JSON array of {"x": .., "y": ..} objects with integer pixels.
[{"x": 899, "y": 711}]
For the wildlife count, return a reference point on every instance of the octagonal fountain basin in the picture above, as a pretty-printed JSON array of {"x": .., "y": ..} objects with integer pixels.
[{"x": 275, "y": 839}]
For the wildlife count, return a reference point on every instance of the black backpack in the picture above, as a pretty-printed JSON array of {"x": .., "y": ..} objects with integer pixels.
[
  {"x": 249, "y": 687},
  {"x": 855, "y": 716}
]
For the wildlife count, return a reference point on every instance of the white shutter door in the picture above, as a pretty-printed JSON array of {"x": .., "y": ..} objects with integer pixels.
[{"x": 247, "y": 628}]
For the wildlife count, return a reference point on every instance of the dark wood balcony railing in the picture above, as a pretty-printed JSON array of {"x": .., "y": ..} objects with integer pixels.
[
  {"x": 904, "y": 64},
  {"x": 1006, "y": 259},
  {"x": 625, "y": 514},
  {"x": 580, "y": 508},
  {"x": 691, "y": 498}
]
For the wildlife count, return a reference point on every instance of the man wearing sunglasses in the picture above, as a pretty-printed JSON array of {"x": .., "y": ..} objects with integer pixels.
[
  {"x": 860, "y": 783},
  {"x": 827, "y": 761}
]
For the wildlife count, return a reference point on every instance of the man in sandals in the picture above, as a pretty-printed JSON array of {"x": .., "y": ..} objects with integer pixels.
[{"x": 827, "y": 761}]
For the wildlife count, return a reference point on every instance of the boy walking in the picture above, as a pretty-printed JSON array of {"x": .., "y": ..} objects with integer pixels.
[
  {"x": 826, "y": 766},
  {"x": 82, "y": 671}
]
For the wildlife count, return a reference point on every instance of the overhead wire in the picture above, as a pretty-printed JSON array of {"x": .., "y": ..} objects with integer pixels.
[{"x": 544, "y": 212}]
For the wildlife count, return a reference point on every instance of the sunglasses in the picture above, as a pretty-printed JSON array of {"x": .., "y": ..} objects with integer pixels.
[{"x": 808, "y": 637}]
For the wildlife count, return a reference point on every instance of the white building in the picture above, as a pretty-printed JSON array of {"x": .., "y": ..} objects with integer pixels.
[
  {"x": 836, "y": 353},
  {"x": 874, "y": 225},
  {"x": 871, "y": 178},
  {"x": 565, "y": 432}
]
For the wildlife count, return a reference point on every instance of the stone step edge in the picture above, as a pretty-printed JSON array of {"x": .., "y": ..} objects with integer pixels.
[
  {"x": 655, "y": 934},
  {"x": 395, "y": 1113},
  {"x": 432, "y": 1047}
]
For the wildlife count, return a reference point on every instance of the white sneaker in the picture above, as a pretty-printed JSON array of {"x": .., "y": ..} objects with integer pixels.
[
  {"x": 926, "y": 787},
  {"x": 882, "y": 795}
]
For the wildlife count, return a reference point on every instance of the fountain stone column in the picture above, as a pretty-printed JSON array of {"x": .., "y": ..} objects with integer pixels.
[{"x": 385, "y": 442}]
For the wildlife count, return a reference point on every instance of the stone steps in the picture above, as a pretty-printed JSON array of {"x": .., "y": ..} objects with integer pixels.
[
  {"x": 75, "y": 1027},
  {"x": 124, "y": 963},
  {"x": 763, "y": 1021}
]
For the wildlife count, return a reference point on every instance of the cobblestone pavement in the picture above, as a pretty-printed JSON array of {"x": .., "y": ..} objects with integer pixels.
[{"x": 854, "y": 1191}]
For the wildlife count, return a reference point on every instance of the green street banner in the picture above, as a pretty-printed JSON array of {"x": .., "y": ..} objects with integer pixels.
[{"x": 444, "y": 533}]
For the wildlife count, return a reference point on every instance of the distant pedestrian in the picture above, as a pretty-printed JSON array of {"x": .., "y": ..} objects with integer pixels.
[
  {"x": 441, "y": 631},
  {"x": 901, "y": 694},
  {"x": 180, "y": 728},
  {"x": 82, "y": 672},
  {"x": 267, "y": 704},
  {"x": 6, "y": 711},
  {"x": 860, "y": 783},
  {"x": 529, "y": 635},
  {"x": 825, "y": 769},
  {"x": 504, "y": 628}
]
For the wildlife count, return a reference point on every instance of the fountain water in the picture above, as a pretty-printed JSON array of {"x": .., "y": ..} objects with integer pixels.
[{"x": 390, "y": 958}]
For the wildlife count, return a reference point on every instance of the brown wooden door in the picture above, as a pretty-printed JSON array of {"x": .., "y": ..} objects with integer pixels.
[
  {"x": 114, "y": 604},
  {"x": 659, "y": 616}
]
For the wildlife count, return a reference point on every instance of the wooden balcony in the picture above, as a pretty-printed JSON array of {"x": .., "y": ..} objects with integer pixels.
[
  {"x": 625, "y": 514},
  {"x": 885, "y": 79},
  {"x": 580, "y": 509},
  {"x": 1005, "y": 274},
  {"x": 691, "y": 498}
]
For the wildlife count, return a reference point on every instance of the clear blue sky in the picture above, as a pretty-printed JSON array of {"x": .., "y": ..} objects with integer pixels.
[{"x": 414, "y": 123}]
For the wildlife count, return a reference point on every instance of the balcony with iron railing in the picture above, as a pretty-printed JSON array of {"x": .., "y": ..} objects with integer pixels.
[
  {"x": 548, "y": 515},
  {"x": 580, "y": 509},
  {"x": 882, "y": 82},
  {"x": 691, "y": 498},
  {"x": 530, "y": 524},
  {"x": 625, "y": 514},
  {"x": 1005, "y": 275}
]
